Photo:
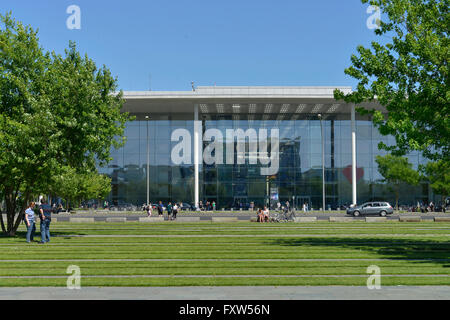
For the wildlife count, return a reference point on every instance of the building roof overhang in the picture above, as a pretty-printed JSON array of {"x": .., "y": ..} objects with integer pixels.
[{"x": 242, "y": 100}]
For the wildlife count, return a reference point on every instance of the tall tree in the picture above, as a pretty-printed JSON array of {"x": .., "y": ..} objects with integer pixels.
[
  {"x": 396, "y": 170},
  {"x": 75, "y": 186},
  {"x": 55, "y": 111},
  {"x": 438, "y": 175},
  {"x": 408, "y": 74}
]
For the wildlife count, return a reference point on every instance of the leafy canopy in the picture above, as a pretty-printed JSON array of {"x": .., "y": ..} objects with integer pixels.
[
  {"x": 56, "y": 111},
  {"x": 438, "y": 175},
  {"x": 76, "y": 187},
  {"x": 408, "y": 75},
  {"x": 396, "y": 170}
]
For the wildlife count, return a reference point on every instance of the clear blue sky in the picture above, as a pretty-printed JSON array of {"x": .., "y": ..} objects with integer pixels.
[{"x": 229, "y": 42}]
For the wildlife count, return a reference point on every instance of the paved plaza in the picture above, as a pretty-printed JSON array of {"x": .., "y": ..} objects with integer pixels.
[{"x": 230, "y": 293}]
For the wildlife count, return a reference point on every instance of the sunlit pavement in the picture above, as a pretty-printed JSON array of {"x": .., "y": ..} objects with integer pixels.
[{"x": 229, "y": 293}]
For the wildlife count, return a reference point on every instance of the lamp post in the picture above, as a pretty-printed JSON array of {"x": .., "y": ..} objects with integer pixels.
[
  {"x": 147, "y": 118},
  {"x": 323, "y": 163}
]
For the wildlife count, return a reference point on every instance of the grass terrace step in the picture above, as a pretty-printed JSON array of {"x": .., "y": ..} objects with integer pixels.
[{"x": 221, "y": 254}]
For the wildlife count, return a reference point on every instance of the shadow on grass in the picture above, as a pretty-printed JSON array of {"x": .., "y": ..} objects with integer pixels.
[
  {"x": 37, "y": 235},
  {"x": 391, "y": 249}
]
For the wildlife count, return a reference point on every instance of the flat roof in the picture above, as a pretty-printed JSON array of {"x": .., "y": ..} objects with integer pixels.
[
  {"x": 242, "y": 100},
  {"x": 240, "y": 91}
]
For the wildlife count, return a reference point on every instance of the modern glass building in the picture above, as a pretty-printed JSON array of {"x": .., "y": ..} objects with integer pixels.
[{"x": 236, "y": 145}]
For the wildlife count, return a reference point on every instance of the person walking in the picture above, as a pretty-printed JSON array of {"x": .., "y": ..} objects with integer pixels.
[
  {"x": 175, "y": 211},
  {"x": 149, "y": 210},
  {"x": 160, "y": 209},
  {"x": 30, "y": 222},
  {"x": 46, "y": 217},
  {"x": 169, "y": 210}
]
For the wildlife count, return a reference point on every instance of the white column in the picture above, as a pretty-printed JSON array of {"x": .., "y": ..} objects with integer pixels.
[
  {"x": 323, "y": 165},
  {"x": 197, "y": 132},
  {"x": 353, "y": 124},
  {"x": 148, "y": 164}
]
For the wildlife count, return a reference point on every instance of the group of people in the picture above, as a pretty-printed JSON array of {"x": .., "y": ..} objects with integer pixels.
[
  {"x": 431, "y": 207},
  {"x": 172, "y": 210},
  {"x": 263, "y": 215},
  {"x": 45, "y": 215},
  {"x": 57, "y": 209},
  {"x": 208, "y": 206}
]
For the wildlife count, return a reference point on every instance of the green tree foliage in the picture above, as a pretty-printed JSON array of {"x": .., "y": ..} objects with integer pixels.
[
  {"x": 408, "y": 74},
  {"x": 55, "y": 111},
  {"x": 438, "y": 175},
  {"x": 396, "y": 170},
  {"x": 75, "y": 187}
]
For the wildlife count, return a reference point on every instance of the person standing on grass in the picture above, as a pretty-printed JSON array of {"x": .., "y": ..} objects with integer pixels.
[
  {"x": 46, "y": 217},
  {"x": 30, "y": 222}
]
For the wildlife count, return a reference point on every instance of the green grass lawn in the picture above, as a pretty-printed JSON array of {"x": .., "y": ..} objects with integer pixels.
[{"x": 222, "y": 254}]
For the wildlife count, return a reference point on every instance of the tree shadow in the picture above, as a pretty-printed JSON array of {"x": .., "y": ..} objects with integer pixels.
[
  {"x": 37, "y": 234},
  {"x": 418, "y": 251}
]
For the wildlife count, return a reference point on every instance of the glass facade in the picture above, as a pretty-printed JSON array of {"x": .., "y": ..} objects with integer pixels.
[{"x": 299, "y": 176}]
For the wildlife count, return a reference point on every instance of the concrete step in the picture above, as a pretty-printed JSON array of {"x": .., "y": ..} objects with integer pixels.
[
  {"x": 81, "y": 220},
  {"x": 341, "y": 219},
  {"x": 410, "y": 219},
  {"x": 187, "y": 219},
  {"x": 376, "y": 219},
  {"x": 151, "y": 219},
  {"x": 441, "y": 219},
  {"x": 116, "y": 219},
  {"x": 224, "y": 219},
  {"x": 305, "y": 219}
]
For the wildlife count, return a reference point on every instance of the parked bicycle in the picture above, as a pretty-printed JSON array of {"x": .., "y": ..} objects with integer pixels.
[{"x": 285, "y": 215}]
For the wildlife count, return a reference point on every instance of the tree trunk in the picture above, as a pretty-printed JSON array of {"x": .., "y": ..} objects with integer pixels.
[
  {"x": 11, "y": 209},
  {"x": 2, "y": 222},
  {"x": 396, "y": 197}
]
